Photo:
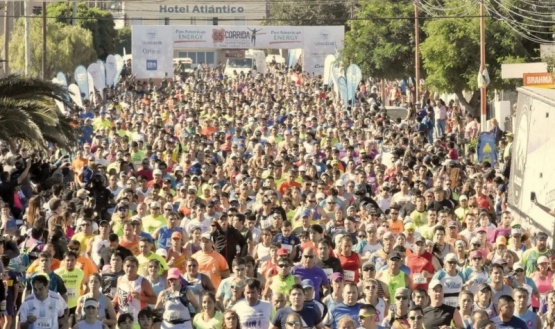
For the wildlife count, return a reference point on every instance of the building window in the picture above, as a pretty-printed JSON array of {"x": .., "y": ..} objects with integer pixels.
[
  {"x": 199, "y": 57},
  {"x": 210, "y": 57}
]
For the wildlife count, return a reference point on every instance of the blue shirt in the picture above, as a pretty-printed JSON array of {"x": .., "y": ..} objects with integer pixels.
[
  {"x": 341, "y": 310},
  {"x": 530, "y": 318},
  {"x": 514, "y": 323},
  {"x": 315, "y": 274},
  {"x": 309, "y": 316}
]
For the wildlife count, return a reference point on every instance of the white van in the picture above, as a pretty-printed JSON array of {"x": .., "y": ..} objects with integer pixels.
[
  {"x": 183, "y": 65},
  {"x": 254, "y": 60}
]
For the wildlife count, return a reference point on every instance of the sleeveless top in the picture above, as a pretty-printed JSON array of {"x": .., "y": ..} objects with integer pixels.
[
  {"x": 126, "y": 302},
  {"x": 490, "y": 310},
  {"x": 436, "y": 317},
  {"x": 133, "y": 246},
  {"x": 180, "y": 261},
  {"x": 282, "y": 285},
  {"x": 380, "y": 311},
  {"x": 176, "y": 313},
  {"x": 196, "y": 287},
  {"x": 452, "y": 286},
  {"x": 84, "y": 325},
  {"x": 263, "y": 254},
  {"x": 393, "y": 282},
  {"x": 101, "y": 306},
  {"x": 157, "y": 287},
  {"x": 164, "y": 237}
]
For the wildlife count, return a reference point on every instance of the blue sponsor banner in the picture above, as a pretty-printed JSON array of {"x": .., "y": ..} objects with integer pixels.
[{"x": 486, "y": 148}]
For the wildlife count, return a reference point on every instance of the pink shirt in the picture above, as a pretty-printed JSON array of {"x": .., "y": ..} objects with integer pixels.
[{"x": 543, "y": 286}]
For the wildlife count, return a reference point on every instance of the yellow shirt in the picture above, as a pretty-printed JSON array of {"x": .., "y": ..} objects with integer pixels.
[
  {"x": 83, "y": 239},
  {"x": 150, "y": 224},
  {"x": 73, "y": 281},
  {"x": 143, "y": 263}
]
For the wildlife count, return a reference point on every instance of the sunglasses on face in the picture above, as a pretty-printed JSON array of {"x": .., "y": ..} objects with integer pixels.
[
  {"x": 283, "y": 265},
  {"x": 401, "y": 298},
  {"x": 417, "y": 317},
  {"x": 294, "y": 323},
  {"x": 308, "y": 256},
  {"x": 368, "y": 269}
]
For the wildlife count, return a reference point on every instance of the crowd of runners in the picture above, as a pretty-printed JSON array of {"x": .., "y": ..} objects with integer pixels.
[{"x": 259, "y": 201}]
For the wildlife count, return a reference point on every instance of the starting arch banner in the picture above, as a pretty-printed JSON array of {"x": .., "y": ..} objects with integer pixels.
[{"x": 152, "y": 46}]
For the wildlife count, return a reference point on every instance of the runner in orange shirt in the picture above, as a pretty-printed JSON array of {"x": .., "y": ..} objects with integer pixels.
[{"x": 210, "y": 262}]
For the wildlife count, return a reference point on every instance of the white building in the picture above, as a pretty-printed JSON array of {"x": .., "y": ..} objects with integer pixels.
[{"x": 178, "y": 12}]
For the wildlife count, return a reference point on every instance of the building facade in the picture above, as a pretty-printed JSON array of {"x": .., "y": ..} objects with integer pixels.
[{"x": 178, "y": 12}]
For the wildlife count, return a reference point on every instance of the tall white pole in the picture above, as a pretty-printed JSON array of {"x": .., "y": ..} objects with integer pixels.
[{"x": 27, "y": 37}]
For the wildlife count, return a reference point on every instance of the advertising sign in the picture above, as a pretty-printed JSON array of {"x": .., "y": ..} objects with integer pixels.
[
  {"x": 486, "y": 149},
  {"x": 153, "y": 45},
  {"x": 152, "y": 51},
  {"x": 238, "y": 37},
  {"x": 321, "y": 41},
  {"x": 539, "y": 80}
]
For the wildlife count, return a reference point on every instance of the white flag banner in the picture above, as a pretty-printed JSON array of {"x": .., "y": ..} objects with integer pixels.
[
  {"x": 75, "y": 94},
  {"x": 327, "y": 69},
  {"x": 111, "y": 70},
  {"x": 92, "y": 95},
  {"x": 102, "y": 73},
  {"x": 60, "y": 104},
  {"x": 97, "y": 77}
]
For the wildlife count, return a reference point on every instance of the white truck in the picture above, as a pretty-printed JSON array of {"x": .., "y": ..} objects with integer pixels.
[{"x": 254, "y": 61}]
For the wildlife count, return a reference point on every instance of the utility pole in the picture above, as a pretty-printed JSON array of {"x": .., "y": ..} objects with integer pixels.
[
  {"x": 27, "y": 11},
  {"x": 483, "y": 91},
  {"x": 6, "y": 38},
  {"x": 44, "y": 40},
  {"x": 416, "y": 52},
  {"x": 74, "y": 12}
]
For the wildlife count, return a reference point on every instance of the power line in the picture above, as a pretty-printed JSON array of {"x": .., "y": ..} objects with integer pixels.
[{"x": 253, "y": 19}]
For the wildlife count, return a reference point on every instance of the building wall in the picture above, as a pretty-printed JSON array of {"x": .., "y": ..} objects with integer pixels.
[{"x": 175, "y": 12}]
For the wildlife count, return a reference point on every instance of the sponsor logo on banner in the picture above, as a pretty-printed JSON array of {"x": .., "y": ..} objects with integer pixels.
[
  {"x": 189, "y": 35},
  {"x": 236, "y": 37},
  {"x": 151, "y": 65}
]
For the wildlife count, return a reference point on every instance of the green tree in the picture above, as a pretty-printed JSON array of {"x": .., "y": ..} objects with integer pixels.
[
  {"x": 28, "y": 112},
  {"x": 99, "y": 22},
  {"x": 67, "y": 46},
  {"x": 382, "y": 48},
  {"x": 308, "y": 12},
  {"x": 451, "y": 55},
  {"x": 123, "y": 40}
]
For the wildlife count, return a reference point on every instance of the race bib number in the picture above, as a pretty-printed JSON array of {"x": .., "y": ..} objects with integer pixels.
[
  {"x": 349, "y": 275},
  {"x": 328, "y": 271},
  {"x": 287, "y": 247},
  {"x": 71, "y": 293},
  {"x": 43, "y": 323},
  {"x": 418, "y": 278},
  {"x": 172, "y": 315}
]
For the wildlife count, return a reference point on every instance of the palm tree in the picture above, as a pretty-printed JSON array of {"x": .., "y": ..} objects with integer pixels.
[{"x": 28, "y": 112}]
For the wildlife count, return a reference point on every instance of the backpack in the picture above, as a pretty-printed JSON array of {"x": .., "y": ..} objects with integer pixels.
[{"x": 27, "y": 255}]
